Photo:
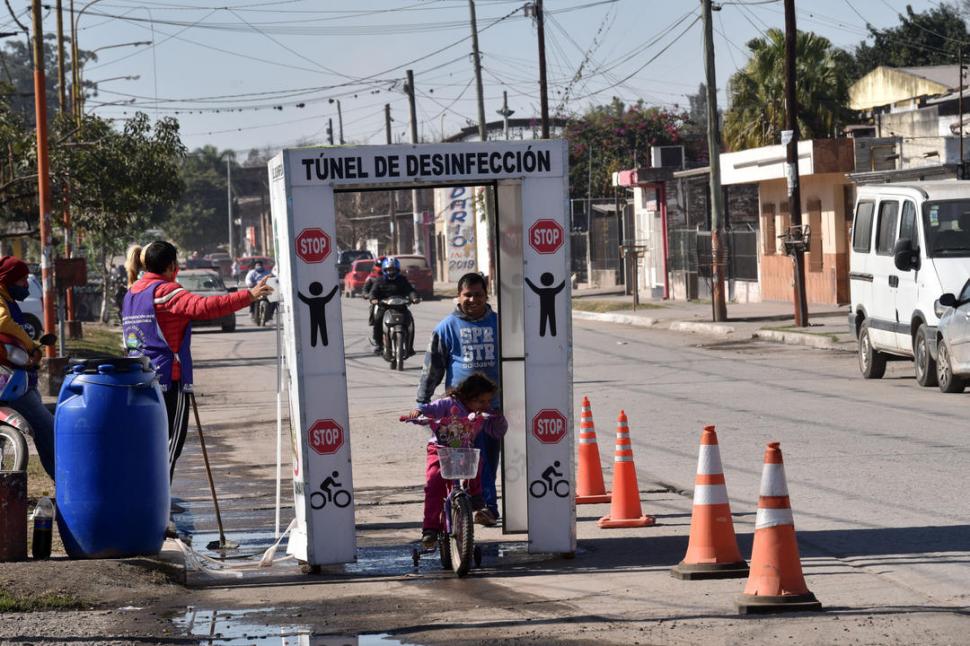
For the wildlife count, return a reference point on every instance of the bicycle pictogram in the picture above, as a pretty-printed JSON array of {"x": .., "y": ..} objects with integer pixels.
[
  {"x": 340, "y": 497},
  {"x": 560, "y": 487}
]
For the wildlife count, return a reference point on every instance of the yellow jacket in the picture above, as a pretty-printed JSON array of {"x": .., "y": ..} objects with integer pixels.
[{"x": 10, "y": 326}]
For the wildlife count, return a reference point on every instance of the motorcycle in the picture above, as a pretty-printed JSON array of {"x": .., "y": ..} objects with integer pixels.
[
  {"x": 15, "y": 364},
  {"x": 262, "y": 312},
  {"x": 398, "y": 330}
]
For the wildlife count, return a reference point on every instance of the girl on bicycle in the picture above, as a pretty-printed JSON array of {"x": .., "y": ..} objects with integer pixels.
[{"x": 475, "y": 394}]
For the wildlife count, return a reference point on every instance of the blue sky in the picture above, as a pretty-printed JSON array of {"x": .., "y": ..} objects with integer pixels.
[{"x": 255, "y": 61}]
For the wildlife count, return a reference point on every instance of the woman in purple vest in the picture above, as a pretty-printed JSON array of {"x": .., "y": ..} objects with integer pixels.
[{"x": 156, "y": 322}]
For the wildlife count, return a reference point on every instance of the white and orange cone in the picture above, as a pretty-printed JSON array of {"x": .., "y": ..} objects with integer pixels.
[
  {"x": 712, "y": 552},
  {"x": 776, "y": 582},
  {"x": 590, "y": 488},
  {"x": 625, "y": 510}
]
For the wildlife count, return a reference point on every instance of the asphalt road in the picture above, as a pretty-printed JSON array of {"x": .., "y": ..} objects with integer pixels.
[{"x": 874, "y": 471}]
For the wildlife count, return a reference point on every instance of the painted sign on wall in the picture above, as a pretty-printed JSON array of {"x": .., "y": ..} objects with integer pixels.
[{"x": 456, "y": 210}]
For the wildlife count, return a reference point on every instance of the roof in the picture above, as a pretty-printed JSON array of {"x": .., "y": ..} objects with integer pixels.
[
  {"x": 899, "y": 85},
  {"x": 947, "y": 75}
]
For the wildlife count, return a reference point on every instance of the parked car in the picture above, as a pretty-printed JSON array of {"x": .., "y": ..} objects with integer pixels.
[
  {"x": 416, "y": 270},
  {"x": 33, "y": 308},
  {"x": 207, "y": 282},
  {"x": 346, "y": 258},
  {"x": 222, "y": 262},
  {"x": 953, "y": 340},
  {"x": 355, "y": 278},
  {"x": 245, "y": 263},
  {"x": 910, "y": 243}
]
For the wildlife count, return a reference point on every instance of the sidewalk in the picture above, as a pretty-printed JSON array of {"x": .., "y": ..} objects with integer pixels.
[{"x": 770, "y": 321}]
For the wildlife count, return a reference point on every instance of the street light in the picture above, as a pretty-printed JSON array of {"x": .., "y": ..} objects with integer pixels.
[
  {"x": 131, "y": 77},
  {"x": 75, "y": 67},
  {"x": 137, "y": 43}
]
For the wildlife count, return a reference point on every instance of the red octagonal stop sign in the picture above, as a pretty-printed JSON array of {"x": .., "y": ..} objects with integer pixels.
[
  {"x": 546, "y": 236},
  {"x": 326, "y": 436},
  {"x": 549, "y": 426},
  {"x": 313, "y": 245}
]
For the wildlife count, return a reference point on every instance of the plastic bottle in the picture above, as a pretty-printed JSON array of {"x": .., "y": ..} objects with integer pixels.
[{"x": 43, "y": 528}]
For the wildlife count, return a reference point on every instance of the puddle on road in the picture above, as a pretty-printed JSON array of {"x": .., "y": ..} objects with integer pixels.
[{"x": 232, "y": 627}]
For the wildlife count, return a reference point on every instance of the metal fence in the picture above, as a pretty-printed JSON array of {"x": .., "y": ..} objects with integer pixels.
[{"x": 689, "y": 250}]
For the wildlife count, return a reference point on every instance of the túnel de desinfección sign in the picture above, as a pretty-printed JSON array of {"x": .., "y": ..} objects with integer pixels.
[{"x": 509, "y": 162}]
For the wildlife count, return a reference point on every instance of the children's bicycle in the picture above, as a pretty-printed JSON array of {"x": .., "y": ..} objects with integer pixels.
[{"x": 458, "y": 464}]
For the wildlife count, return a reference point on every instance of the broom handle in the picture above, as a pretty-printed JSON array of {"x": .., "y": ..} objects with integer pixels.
[{"x": 208, "y": 470}]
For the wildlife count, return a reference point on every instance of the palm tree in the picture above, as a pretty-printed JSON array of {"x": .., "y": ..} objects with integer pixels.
[{"x": 756, "y": 115}]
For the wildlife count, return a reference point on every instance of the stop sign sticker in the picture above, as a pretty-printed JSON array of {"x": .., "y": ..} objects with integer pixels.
[
  {"x": 326, "y": 436},
  {"x": 546, "y": 236},
  {"x": 549, "y": 426},
  {"x": 313, "y": 245}
]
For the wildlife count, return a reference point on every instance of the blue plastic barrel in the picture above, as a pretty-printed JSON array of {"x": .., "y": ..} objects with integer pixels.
[{"x": 111, "y": 459}]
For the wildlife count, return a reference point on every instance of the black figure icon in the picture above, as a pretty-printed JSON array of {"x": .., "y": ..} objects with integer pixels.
[
  {"x": 547, "y": 302},
  {"x": 340, "y": 497},
  {"x": 318, "y": 311},
  {"x": 539, "y": 488}
]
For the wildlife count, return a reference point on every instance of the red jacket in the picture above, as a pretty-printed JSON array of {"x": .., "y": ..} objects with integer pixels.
[{"x": 176, "y": 307}]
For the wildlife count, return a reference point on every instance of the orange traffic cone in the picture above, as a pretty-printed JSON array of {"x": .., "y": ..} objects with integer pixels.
[
  {"x": 712, "y": 552},
  {"x": 589, "y": 476},
  {"x": 625, "y": 508},
  {"x": 776, "y": 583}
]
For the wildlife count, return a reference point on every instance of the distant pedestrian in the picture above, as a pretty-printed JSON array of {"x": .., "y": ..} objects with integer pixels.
[{"x": 156, "y": 322}]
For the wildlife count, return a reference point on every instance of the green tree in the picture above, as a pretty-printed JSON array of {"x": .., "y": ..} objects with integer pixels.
[
  {"x": 756, "y": 113},
  {"x": 198, "y": 220},
  {"x": 615, "y": 137},
  {"x": 932, "y": 37},
  {"x": 119, "y": 181}
]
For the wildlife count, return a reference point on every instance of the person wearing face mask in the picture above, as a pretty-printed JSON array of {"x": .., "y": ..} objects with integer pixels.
[
  {"x": 156, "y": 322},
  {"x": 13, "y": 288}
]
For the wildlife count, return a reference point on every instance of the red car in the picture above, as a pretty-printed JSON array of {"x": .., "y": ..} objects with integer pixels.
[
  {"x": 355, "y": 278},
  {"x": 416, "y": 270}
]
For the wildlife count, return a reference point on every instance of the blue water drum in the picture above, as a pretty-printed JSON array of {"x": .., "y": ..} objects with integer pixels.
[{"x": 111, "y": 459}]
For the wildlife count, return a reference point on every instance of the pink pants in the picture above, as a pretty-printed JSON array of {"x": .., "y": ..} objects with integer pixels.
[{"x": 436, "y": 488}]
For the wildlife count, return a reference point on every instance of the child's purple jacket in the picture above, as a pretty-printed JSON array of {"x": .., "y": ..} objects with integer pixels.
[{"x": 495, "y": 425}]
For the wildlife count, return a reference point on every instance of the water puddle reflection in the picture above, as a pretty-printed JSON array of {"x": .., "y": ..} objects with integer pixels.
[{"x": 254, "y": 626}]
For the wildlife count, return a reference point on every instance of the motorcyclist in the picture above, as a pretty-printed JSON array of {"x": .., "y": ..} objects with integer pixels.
[
  {"x": 13, "y": 288},
  {"x": 256, "y": 274},
  {"x": 391, "y": 283}
]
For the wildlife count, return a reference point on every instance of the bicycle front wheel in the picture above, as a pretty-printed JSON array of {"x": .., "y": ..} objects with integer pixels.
[
  {"x": 13, "y": 449},
  {"x": 462, "y": 535}
]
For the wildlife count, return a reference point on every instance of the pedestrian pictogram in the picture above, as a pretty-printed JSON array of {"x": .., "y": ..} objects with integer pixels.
[
  {"x": 313, "y": 245},
  {"x": 326, "y": 436},
  {"x": 547, "y": 301},
  {"x": 549, "y": 426},
  {"x": 546, "y": 236}
]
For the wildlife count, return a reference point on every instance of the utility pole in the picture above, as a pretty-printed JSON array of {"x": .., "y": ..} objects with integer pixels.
[
  {"x": 543, "y": 90},
  {"x": 506, "y": 113},
  {"x": 66, "y": 218},
  {"x": 718, "y": 302},
  {"x": 415, "y": 212},
  {"x": 75, "y": 68},
  {"x": 390, "y": 194},
  {"x": 43, "y": 173},
  {"x": 476, "y": 56},
  {"x": 795, "y": 242},
  {"x": 340, "y": 123},
  {"x": 960, "y": 59},
  {"x": 232, "y": 246}
]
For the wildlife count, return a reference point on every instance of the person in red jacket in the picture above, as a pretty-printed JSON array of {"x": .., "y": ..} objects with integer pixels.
[{"x": 156, "y": 322}]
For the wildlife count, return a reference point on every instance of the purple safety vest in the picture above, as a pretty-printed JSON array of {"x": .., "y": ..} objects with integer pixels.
[{"x": 142, "y": 337}]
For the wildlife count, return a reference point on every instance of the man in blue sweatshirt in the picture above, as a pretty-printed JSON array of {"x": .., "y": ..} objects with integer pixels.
[{"x": 464, "y": 343}]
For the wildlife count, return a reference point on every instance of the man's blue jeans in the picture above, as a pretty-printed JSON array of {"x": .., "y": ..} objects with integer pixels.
[
  {"x": 491, "y": 451},
  {"x": 32, "y": 408}
]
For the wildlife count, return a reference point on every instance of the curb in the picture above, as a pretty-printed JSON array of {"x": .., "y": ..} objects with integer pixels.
[
  {"x": 799, "y": 338},
  {"x": 698, "y": 327},
  {"x": 623, "y": 319}
]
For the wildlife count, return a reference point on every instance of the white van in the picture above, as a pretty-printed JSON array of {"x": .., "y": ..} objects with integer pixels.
[{"x": 910, "y": 244}]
